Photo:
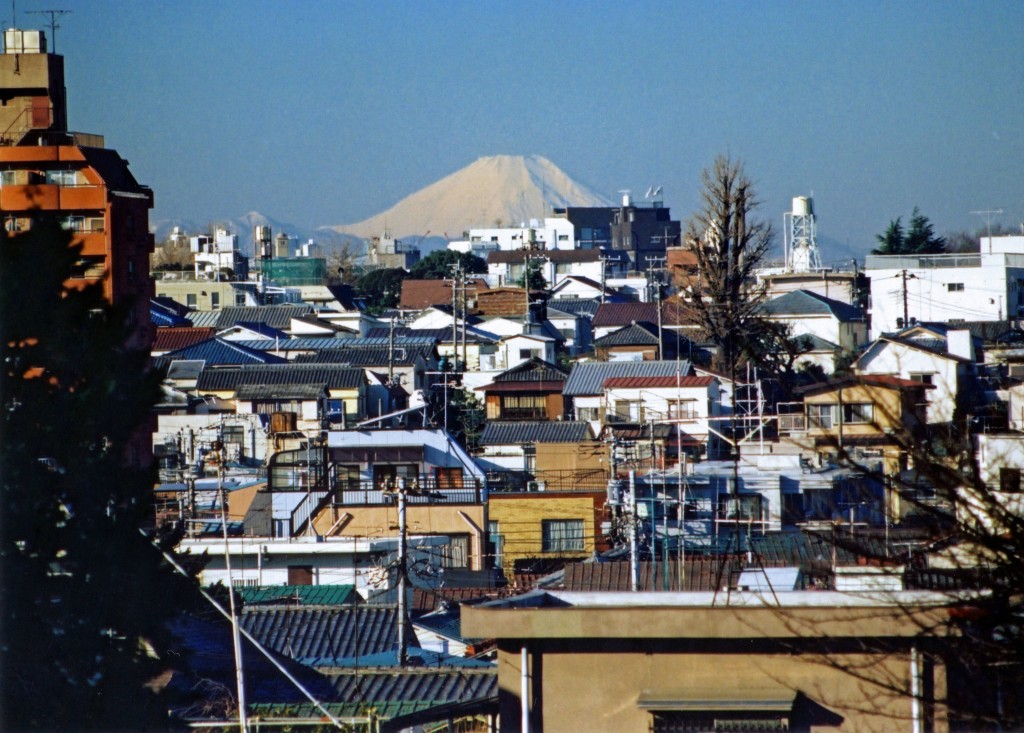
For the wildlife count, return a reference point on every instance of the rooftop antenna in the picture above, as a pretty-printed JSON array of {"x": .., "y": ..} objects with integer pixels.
[
  {"x": 54, "y": 14},
  {"x": 987, "y": 215}
]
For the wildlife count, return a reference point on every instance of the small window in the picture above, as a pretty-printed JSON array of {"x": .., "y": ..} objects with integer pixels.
[
  {"x": 215, "y": 300},
  {"x": 819, "y": 416},
  {"x": 1009, "y": 480},
  {"x": 562, "y": 535},
  {"x": 495, "y": 542},
  {"x": 191, "y": 300},
  {"x": 8, "y": 178},
  {"x": 955, "y": 287},
  {"x": 923, "y": 377},
  {"x": 858, "y": 413}
]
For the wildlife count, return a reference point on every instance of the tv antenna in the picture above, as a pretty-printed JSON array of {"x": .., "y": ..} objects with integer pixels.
[
  {"x": 54, "y": 14},
  {"x": 987, "y": 215}
]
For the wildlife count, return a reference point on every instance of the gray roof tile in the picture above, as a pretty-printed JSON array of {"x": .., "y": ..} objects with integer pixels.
[{"x": 216, "y": 380}]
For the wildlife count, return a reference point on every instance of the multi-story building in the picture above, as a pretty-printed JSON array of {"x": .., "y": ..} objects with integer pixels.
[
  {"x": 977, "y": 286},
  {"x": 45, "y": 170}
]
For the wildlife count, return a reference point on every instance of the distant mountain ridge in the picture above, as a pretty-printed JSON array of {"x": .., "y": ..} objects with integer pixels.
[{"x": 498, "y": 189}]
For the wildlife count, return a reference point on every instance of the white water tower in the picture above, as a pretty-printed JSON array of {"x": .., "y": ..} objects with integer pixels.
[{"x": 798, "y": 231}]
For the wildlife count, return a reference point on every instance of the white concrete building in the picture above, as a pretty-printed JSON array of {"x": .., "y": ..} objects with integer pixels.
[
  {"x": 554, "y": 233},
  {"x": 984, "y": 286}
]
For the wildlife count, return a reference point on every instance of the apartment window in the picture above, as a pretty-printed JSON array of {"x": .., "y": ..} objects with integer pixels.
[
  {"x": 858, "y": 413},
  {"x": 191, "y": 300},
  {"x": 562, "y": 535},
  {"x": 523, "y": 407},
  {"x": 819, "y": 416},
  {"x": 8, "y": 178},
  {"x": 955, "y": 287},
  {"x": 496, "y": 543},
  {"x": 240, "y": 298},
  {"x": 215, "y": 300},
  {"x": 89, "y": 268},
  {"x": 62, "y": 178},
  {"x": 629, "y": 411}
]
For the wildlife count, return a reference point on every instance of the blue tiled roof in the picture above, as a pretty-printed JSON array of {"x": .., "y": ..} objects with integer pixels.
[
  {"x": 221, "y": 351},
  {"x": 216, "y": 380}
]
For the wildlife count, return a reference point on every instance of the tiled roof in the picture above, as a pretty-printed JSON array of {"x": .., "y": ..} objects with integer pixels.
[
  {"x": 632, "y": 335},
  {"x": 169, "y": 305},
  {"x": 555, "y": 431},
  {"x": 581, "y": 306},
  {"x": 807, "y": 303},
  {"x": 583, "y": 280},
  {"x": 623, "y": 314},
  {"x": 324, "y": 635},
  {"x": 434, "y": 685},
  {"x": 533, "y": 370},
  {"x": 217, "y": 380},
  {"x": 174, "y": 338},
  {"x": 278, "y": 316},
  {"x": 425, "y": 293},
  {"x": 280, "y": 391},
  {"x": 587, "y": 378},
  {"x": 303, "y": 595},
  {"x": 400, "y": 355},
  {"x": 221, "y": 351},
  {"x": 443, "y": 623},
  {"x": 656, "y": 382},
  {"x": 699, "y": 574}
]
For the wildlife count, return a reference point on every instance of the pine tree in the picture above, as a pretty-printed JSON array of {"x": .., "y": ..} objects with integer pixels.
[{"x": 85, "y": 593}]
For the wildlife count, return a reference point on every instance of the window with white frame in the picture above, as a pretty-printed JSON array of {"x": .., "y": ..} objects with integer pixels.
[
  {"x": 562, "y": 535},
  {"x": 62, "y": 178}
]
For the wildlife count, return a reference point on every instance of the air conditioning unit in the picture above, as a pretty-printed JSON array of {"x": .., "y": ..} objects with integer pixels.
[{"x": 536, "y": 485}]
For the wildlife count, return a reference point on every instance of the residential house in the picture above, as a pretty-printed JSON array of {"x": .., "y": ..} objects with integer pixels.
[
  {"x": 578, "y": 287},
  {"x": 539, "y": 456},
  {"x": 867, "y": 416},
  {"x": 808, "y": 313},
  {"x": 585, "y": 391},
  {"x": 531, "y": 390},
  {"x": 573, "y": 327},
  {"x": 421, "y": 294},
  {"x": 933, "y": 355},
  {"x": 637, "y": 342},
  {"x": 613, "y": 316},
  {"x": 690, "y": 404},
  {"x": 173, "y": 338},
  {"x": 507, "y": 267}
]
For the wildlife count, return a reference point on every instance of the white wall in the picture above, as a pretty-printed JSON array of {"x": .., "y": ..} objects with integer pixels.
[{"x": 885, "y": 357}]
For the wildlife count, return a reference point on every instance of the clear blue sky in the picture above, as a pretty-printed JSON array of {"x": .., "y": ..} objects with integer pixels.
[{"x": 328, "y": 112}]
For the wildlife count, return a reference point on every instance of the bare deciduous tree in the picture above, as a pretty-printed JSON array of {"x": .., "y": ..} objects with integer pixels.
[{"x": 729, "y": 245}]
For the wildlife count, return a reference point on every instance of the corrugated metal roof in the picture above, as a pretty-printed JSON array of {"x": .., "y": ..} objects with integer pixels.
[
  {"x": 321, "y": 595},
  {"x": 204, "y": 319},
  {"x": 587, "y": 378},
  {"x": 556, "y": 431},
  {"x": 656, "y": 382},
  {"x": 217, "y": 380},
  {"x": 324, "y": 635},
  {"x": 221, "y": 351},
  {"x": 698, "y": 574}
]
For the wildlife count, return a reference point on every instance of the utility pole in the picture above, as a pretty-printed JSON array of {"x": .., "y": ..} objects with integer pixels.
[
  {"x": 604, "y": 277},
  {"x": 54, "y": 14},
  {"x": 906, "y": 310},
  {"x": 402, "y": 579},
  {"x": 656, "y": 265},
  {"x": 456, "y": 275}
]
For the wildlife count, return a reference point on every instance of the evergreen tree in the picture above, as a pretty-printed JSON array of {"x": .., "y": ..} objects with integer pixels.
[
  {"x": 86, "y": 594},
  {"x": 382, "y": 288},
  {"x": 438, "y": 265},
  {"x": 918, "y": 239}
]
